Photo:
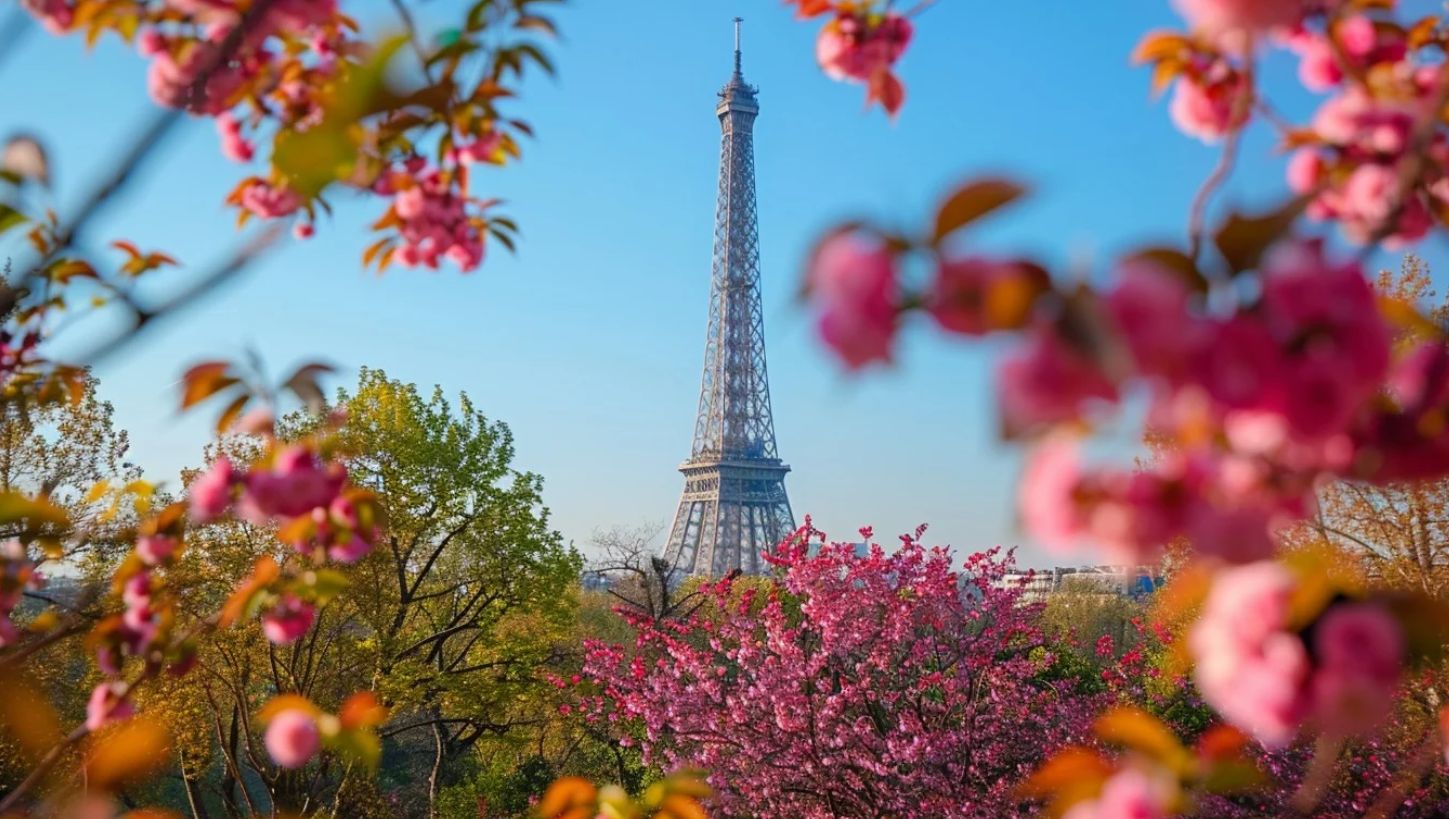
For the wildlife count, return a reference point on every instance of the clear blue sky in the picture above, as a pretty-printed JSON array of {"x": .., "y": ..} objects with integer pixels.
[{"x": 589, "y": 342}]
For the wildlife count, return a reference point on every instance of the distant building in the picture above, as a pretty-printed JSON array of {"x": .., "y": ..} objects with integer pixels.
[{"x": 1127, "y": 581}]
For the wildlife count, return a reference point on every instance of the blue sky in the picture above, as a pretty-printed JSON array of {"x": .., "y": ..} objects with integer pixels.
[{"x": 589, "y": 341}]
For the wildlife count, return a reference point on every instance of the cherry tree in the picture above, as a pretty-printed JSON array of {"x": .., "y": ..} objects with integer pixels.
[{"x": 850, "y": 685}]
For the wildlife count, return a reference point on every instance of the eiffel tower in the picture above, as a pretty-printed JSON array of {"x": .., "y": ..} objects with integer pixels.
[{"x": 734, "y": 504}]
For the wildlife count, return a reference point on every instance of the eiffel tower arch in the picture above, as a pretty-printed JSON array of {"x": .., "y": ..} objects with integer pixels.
[{"x": 734, "y": 504}]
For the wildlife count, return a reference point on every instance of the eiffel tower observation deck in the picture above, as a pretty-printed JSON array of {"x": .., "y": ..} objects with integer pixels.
[{"x": 734, "y": 504}]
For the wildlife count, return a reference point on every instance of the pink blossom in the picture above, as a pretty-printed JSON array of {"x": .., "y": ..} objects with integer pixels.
[
  {"x": 852, "y": 282},
  {"x": 303, "y": 230},
  {"x": 1046, "y": 381},
  {"x": 1317, "y": 67},
  {"x": 1305, "y": 170},
  {"x": 292, "y": 738},
  {"x": 885, "y": 687},
  {"x": 349, "y": 551},
  {"x": 295, "y": 484},
  {"x": 1150, "y": 308},
  {"x": 1243, "y": 367},
  {"x": 210, "y": 492},
  {"x": 1324, "y": 315},
  {"x": 171, "y": 77},
  {"x": 851, "y": 47},
  {"x": 55, "y": 15},
  {"x": 137, "y": 590},
  {"x": 434, "y": 220},
  {"x": 107, "y": 705},
  {"x": 483, "y": 149},
  {"x": 233, "y": 145},
  {"x": 288, "y": 619},
  {"x": 1128, "y": 794},
  {"x": 1358, "y": 653},
  {"x": 1221, "y": 16},
  {"x": 269, "y": 201},
  {"x": 1046, "y": 494},
  {"x": 1249, "y": 669},
  {"x": 1210, "y": 108},
  {"x": 1360, "y": 44},
  {"x": 155, "y": 550}
]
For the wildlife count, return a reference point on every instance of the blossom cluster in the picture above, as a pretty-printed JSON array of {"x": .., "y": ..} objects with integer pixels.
[
  {"x": 876, "y": 684},
  {"x": 291, "y": 488},
  {"x": 1268, "y": 673},
  {"x": 292, "y": 72},
  {"x": 861, "y": 43},
  {"x": 1374, "y": 158}
]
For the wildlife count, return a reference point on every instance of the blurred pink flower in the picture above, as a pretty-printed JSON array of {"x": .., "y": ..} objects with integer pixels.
[{"x": 292, "y": 738}]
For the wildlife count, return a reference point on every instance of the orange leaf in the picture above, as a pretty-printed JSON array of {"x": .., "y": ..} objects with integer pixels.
[
  {"x": 1071, "y": 775},
  {"x": 264, "y": 571},
  {"x": 231, "y": 413},
  {"x": 1140, "y": 731},
  {"x": 205, "y": 380},
  {"x": 362, "y": 710},
  {"x": 128, "y": 248},
  {"x": 971, "y": 201},
  {"x": 679, "y": 806},
  {"x": 26, "y": 716},
  {"x": 1221, "y": 742},
  {"x": 287, "y": 702},
  {"x": 567, "y": 795},
  {"x": 131, "y": 752},
  {"x": 1158, "y": 45}
]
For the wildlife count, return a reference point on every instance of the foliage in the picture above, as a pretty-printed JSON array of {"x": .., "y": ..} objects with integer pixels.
[{"x": 894, "y": 685}]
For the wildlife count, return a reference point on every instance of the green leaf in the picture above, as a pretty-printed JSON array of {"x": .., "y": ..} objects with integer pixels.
[
  {"x": 324, "y": 584},
  {"x": 10, "y": 217},
  {"x": 310, "y": 160},
  {"x": 360, "y": 746},
  {"x": 1233, "y": 776}
]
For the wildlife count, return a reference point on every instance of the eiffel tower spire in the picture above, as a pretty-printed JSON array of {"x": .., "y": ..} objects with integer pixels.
[{"x": 734, "y": 504}]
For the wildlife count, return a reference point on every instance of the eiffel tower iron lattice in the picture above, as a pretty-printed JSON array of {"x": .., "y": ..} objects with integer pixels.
[{"x": 734, "y": 504}]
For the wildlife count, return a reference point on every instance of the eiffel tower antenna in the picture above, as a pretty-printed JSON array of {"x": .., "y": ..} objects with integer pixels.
[
  {"x": 734, "y": 504},
  {"x": 738, "y": 20}
]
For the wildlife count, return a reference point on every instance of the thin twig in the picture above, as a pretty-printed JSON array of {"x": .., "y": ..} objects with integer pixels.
[
  {"x": 1197, "y": 216},
  {"x": 145, "y": 317},
  {"x": 1238, "y": 122},
  {"x": 413, "y": 38},
  {"x": 918, "y": 8}
]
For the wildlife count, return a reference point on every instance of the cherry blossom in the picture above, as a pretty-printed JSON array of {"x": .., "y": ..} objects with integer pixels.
[
  {"x": 210, "y": 492},
  {"x": 292, "y": 738},
  {"x": 877, "y": 684},
  {"x": 288, "y": 619},
  {"x": 108, "y": 704},
  {"x": 853, "y": 280}
]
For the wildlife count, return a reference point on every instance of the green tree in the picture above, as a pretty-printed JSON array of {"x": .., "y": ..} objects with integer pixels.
[{"x": 457, "y": 618}]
